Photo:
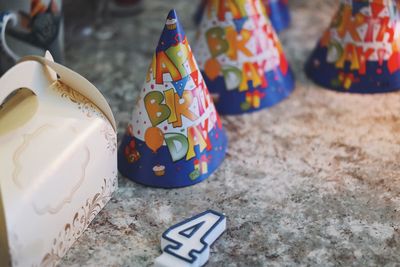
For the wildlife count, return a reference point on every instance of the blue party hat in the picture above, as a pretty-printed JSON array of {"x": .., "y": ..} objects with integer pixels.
[
  {"x": 176, "y": 137},
  {"x": 360, "y": 51},
  {"x": 241, "y": 57}
]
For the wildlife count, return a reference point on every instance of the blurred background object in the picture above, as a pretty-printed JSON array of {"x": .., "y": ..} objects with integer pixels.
[
  {"x": 30, "y": 27},
  {"x": 125, "y": 6}
]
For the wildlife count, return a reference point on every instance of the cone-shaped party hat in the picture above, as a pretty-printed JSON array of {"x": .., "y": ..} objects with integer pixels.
[
  {"x": 176, "y": 137},
  {"x": 241, "y": 58},
  {"x": 360, "y": 51},
  {"x": 278, "y": 13}
]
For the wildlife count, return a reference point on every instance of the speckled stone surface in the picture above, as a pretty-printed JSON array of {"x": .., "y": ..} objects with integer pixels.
[{"x": 312, "y": 181}]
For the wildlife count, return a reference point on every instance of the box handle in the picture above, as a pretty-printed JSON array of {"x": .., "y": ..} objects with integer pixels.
[
  {"x": 24, "y": 75},
  {"x": 79, "y": 84},
  {"x": 42, "y": 78}
]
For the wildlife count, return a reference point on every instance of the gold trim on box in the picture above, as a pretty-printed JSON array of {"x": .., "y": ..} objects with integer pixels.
[
  {"x": 80, "y": 221},
  {"x": 110, "y": 137},
  {"x": 84, "y": 104},
  {"x": 89, "y": 109}
]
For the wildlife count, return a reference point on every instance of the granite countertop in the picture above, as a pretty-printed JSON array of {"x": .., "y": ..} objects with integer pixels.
[{"x": 314, "y": 180}]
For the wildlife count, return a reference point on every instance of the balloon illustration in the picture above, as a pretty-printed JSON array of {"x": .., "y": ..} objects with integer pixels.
[{"x": 154, "y": 138}]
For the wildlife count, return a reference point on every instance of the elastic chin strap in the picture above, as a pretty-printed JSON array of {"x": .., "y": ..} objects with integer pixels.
[
  {"x": 10, "y": 17},
  {"x": 5, "y": 259}
]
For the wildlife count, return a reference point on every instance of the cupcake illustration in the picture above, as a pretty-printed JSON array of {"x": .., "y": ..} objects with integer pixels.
[
  {"x": 159, "y": 170},
  {"x": 171, "y": 24}
]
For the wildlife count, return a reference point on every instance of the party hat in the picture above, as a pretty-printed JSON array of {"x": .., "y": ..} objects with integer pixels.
[
  {"x": 360, "y": 51},
  {"x": 176, "y": 137},
  {"x": 278, "y": 13},
  {"x": 241, "y": 58}
]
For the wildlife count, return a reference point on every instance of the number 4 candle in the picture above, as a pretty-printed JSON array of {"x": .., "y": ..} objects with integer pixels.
[{"x": 188, "y": 243}]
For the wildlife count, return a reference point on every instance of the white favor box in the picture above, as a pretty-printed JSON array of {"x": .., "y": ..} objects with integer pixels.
[{"x": 58, "y": 160}]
